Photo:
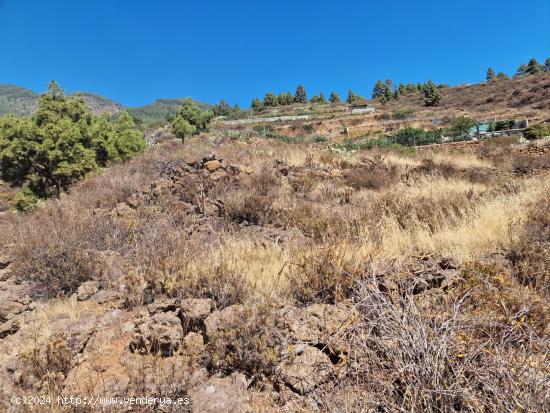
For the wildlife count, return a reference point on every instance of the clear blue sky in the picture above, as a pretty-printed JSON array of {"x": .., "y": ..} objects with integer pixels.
[{"x": 136, "y": 51}]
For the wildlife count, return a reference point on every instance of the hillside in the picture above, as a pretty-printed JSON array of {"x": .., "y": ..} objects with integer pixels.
[
  {"x": 17, "y": 100},
  {"x": 158, "y": 111},
  {"x": 269, "y": 264},
  {"x": 520, "y": 98},
  {"x": 255, "y": 275}
]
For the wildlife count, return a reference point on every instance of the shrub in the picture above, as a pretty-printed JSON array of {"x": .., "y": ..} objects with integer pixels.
[
  {"x": 248, "y": 343},
  {"x": 55, "y": 247},
  {"x": 375, "y": 176},
  {"x": 324, "y": 276},
  {"x": 540, "y": 130}
]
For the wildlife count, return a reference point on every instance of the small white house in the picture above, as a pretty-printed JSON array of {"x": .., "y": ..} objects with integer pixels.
[{"x": 359, "y": 108}]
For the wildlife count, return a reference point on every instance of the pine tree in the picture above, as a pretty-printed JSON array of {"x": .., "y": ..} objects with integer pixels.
[
  {"x": 285, "y": 99},
  {"x": 533, "y": 67},
  {"x": 351, "y": 97},
  {"x": 322, "y": 98},
  {"x": 490, "y": 74},
  {"x": 256, "y": 104},
  {"x": 502, "y": 75},
  {"x": 300, "y": 96},
  {"x": 432, "y": 97},
  {"x": 270, "y": 100},
  {"x": 60, "y": 144},
  {"x": 383, "y": 90},
  {"x": 334, "y": 97},
  {"x": 522, "y": 69},
  {"x": 222, "y": 108},
  {"x": 190, "y": 120}
]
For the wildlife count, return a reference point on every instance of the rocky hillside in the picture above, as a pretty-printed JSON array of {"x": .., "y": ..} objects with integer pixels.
[{"x": 253, "y": 275}]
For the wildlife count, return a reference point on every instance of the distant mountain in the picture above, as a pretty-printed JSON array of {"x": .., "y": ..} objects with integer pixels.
[
  {"x": 22, "y": 102},
  {"x": 17, "y": 100},
  {"x": 99, "y": 104},
  {"x": 160, "y": 109}
]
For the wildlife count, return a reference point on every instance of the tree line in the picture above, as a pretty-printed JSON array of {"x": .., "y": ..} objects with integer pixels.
[
  {"x": 61, "y": 143},
  {"x": 531, "y": 68}
]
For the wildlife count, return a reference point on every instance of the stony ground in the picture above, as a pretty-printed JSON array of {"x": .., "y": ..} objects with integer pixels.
[{"x": 259, "y": 276}]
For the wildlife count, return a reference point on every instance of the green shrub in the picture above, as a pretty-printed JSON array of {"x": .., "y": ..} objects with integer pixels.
[
  {"x": 25, "y": 200},
  {"x": 537, "y": 131}
]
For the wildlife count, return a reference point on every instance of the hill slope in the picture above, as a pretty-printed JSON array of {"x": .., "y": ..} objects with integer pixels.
[{"x": 17, "y": 100}]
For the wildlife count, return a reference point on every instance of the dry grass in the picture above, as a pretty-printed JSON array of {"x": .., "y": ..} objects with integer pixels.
[{"x": 314, "y": 226}]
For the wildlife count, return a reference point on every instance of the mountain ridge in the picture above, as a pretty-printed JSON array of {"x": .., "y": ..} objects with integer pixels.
[{"x": 21, "y": 101}]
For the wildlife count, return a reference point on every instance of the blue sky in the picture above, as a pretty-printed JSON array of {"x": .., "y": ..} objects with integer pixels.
[{"x": 137, "y": 51}]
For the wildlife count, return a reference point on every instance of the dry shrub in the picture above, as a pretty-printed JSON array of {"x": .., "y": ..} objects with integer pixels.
[
  {"x": 303, "y": 183},
  {"x": 248, "y": 343},
  {"x": 375, "y": 176},
  {"x": 448, "y": 170},
  {"x": 319, "y": 223},
  {"x": 220, "y": 284},
  {"x": 406, "y": 359},
  {"x": 47, "y": 364},
  {"x": 530, "y": 255},
  {"x": 423, "y": 211},
  {"x": 445, "y": 169},
  {"x": 523, "y": 163},
  {"x": 324, "y": 275},
  {"x": 252, "y": 203},
  {"x": 54, "y": 247}
]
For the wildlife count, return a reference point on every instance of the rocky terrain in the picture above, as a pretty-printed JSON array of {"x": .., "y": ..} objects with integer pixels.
[{"x": 250, "y": 275}]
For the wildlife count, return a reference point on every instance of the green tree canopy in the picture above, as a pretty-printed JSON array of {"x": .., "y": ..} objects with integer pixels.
[
  {"x": 461, "y": 125},
  {"x": 351, "y": 97},
  {"x": 533, "y": 67},
  {"x": 490, "y": 74},
  {"x": 256, "y": 104},
  {"x": 222, "y": 109},
  {"x": 383, "y": 90},
  {"x": 285, "y": 99},
  {"x": 522, "y": 69},
  {"x": 61, "y": 143},
  {"x": 334, "y": 97},
  {"x": 432, "y": 96},
  {"x": 190, "y": 120},
  {"x": 270, "y": 100},
  {"x": 301, "y": 95}
]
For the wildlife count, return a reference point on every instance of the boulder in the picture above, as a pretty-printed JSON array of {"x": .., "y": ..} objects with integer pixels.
[
  {"x": 162, "y": 333},
  {"x": 212, "y": 165},
  {"x": 305, "y": 368},
  {"x": 86, "y": 290},
  {"x": 163, "y": 306},
  {"x": 222, "y": 320},
  {"x": 13, "y": 301},
  {"x": 217, "y": 175},
  {"x": 221, "y": 394},
  {"x": 193, "y": 312},
  {"x": 193, "y": 345},
  {"x": 318, "y": 323}
]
